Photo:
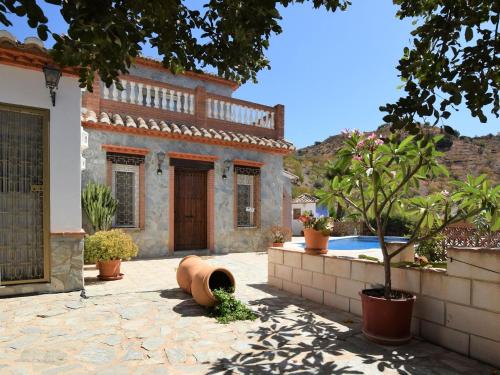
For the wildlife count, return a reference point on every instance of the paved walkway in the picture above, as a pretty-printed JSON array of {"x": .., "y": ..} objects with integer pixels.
[{"x": 144, "y": 324}]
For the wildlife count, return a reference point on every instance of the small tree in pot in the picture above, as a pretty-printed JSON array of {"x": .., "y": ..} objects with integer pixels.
[
  {"x": 279, "y": 235},
  {"x": 377, "y": 178},
  {"x": 99, "y": 206}
]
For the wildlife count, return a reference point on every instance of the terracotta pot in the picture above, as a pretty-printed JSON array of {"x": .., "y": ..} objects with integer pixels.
[
  {"x": 110, "y": 269},
  {"x": 316, "y": 241},
  {"x": 386, "y": 321},
  {"x": 277, "y": 244},
  {"x": 198, "y": 278}
]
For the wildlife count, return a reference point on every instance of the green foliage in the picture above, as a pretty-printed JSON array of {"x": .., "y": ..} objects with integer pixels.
[
  {"x": 378, "y": 177},
  {"x": 229, "y": 309},
  {"x": 453, "y": 58},
  {"x": 367, "y": 257},
  {"x": 433, "y": 249},
  {"x": 109, "y": 245},
  {"x": 99, "y": 206},
  {"x": 279, "y": 234},
  {"x": 323, "y": 224}
]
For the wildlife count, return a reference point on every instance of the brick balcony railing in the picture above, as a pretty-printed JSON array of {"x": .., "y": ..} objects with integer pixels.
[{"x": 160, "y": 101}]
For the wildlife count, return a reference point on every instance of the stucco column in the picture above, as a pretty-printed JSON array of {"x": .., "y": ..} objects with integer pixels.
[{"x": 279, "y": 120}]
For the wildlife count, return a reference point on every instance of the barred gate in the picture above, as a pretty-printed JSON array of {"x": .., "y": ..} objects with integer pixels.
[{"x": 23, "y": 195}]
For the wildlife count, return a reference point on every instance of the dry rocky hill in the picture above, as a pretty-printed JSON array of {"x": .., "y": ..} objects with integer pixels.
[{"x": 463, "y": 155}]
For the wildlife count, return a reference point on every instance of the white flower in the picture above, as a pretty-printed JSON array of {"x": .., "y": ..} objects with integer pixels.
[
  {"x": 393, "y": 173},
  {"x": 369, "y": 171},
  {"x": 445, "y": 193}
]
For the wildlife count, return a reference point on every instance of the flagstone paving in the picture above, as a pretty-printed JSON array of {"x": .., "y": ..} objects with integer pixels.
[{"x": 144, "y": 324}]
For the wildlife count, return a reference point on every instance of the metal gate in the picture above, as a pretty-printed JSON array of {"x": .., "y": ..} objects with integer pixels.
[{"x": 23, "y": 195}]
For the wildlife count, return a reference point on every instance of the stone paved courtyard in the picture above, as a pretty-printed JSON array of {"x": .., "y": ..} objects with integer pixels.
[{"x": 144, "y": 324}]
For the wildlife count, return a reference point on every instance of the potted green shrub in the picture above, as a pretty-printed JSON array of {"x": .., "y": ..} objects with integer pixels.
[
  {"x": 378, "y": 178},
  {"x": 279, "y": 235},
  {"x": 108, "y": 249},
  {"x": 316, "y": 232}
]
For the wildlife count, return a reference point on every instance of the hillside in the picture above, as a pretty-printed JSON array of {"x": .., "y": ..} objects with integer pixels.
[{"x": 463, "y": 155}]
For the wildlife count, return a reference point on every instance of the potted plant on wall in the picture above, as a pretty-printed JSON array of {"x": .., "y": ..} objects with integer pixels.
[
  {"x": 109, "y": 248},
  {"x": 316, "y": 232},
  {"x": 377, "y": 178},
  {"x": 279, "y": 235}
]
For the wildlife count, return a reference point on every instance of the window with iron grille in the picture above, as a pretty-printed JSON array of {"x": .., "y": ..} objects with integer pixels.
[
  {"x": 125, "y": 188},
  {"x": 247, "y": 196},
  {"x": 296, "y": 213}
]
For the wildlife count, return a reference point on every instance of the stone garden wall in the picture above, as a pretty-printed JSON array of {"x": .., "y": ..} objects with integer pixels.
[{"x": 458, "y": 308}]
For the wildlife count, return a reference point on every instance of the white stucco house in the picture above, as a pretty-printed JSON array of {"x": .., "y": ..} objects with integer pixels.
[
  {"x": 40, "y": 213},
  {"x": 302, "y": 203}
]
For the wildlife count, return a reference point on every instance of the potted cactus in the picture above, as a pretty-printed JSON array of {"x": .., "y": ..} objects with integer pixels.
[
  {"x": 99, "y": 206},
  {"x": 108, "y": 249}
]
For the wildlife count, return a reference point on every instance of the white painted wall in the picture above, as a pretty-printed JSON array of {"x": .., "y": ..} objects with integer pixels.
[
  {"x": 27, "y": 87},
  {"x": 297, "y": 226}
]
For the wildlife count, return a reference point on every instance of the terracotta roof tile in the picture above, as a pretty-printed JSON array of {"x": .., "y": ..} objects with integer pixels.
[{"x": 191, "y": 131}]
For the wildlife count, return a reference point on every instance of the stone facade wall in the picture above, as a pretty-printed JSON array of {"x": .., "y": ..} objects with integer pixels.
[
  {"x": 153, "y": 240},
  {"x": 458, "y": 309},
  {"x": 66, "y": 269}
]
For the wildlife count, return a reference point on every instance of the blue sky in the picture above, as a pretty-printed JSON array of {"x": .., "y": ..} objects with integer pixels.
[{"x": 331, "y": 71}]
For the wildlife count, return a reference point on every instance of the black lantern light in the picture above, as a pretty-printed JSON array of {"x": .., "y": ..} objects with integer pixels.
[
  {"x": 225, "y": 168},
  {"x": 52, "y": 76},
  {"x": 161, "y": 158}
]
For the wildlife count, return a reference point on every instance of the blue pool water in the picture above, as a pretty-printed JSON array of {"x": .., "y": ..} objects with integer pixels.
[{"x": 358, "y": 242}]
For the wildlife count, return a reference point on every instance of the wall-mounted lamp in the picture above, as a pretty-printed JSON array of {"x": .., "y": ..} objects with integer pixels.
[
  {"x": 225, "y": 168},
  {"x": 161, "y": 158},
  {"x": 52, "y": 76}
]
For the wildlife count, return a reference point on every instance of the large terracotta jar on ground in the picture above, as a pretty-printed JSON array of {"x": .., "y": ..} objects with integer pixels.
[
  {"x": 199, "y": 279},
  {"x": 316, "y": 241},
  {"x": 387, "y": 321},
  {"x": 110, "y": 269}
]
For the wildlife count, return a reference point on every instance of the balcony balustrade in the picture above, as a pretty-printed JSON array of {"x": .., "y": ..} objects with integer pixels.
[{"x": 151, "y": 99}]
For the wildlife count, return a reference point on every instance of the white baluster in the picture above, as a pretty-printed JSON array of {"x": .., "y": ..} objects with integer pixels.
[
  {"x": 132, "y": 92},
  {"x": 238, "y": 114},
  {"x": 157, "y": 97},
  {"x": 228, "y": 111},
  {"x": 179, "y": 101},
  {"x": 171, "y": 100},
  {"x": 105, "y": 92},
  {"x": 272, "y": 121},
  {"x": 148, "y": 95},
  {"x": 186, "y": 104},
  {"x": 114, "y": 92},
  {"x": 222, "y": 104},
  {"x": 191, "y": 104},
  {"x": 140, "y": 94},
  {"x": 164, "y": 98},
  {"x": 209, "y": 108},
  {"x": 124, "y": 91},
  {"x": 216, "y": 108}
]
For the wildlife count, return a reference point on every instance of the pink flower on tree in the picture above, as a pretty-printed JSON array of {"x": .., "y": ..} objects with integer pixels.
[
  {"x": 360, "y": 144},
  {"x": 372, "y": 136},
  {"x": 357, "y": 157},
  {"x": 379, "y": 142}
]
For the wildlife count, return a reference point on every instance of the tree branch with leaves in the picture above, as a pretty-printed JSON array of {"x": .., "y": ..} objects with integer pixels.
[{"x": 381, "y": 177}]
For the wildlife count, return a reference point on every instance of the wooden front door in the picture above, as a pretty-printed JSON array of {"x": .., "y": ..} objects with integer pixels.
[{"x": 190, "y": 209}]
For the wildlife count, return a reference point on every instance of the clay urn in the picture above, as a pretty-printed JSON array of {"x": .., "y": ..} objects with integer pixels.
[{"x": 199, "y": 279}]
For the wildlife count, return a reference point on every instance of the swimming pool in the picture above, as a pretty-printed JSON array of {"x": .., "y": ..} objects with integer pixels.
[{"x": 357, "y": 242}]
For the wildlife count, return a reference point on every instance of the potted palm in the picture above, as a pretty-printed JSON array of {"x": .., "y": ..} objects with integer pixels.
[
  {"x": 108, "y": 249},
  {"x": 279, "y": 235},
  {"x": 378, "y": 178},
  {"x": 316, "y": 232}
]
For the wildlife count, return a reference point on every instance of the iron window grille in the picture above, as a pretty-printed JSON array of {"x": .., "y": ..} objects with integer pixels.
[{"x": 246, "y": 196}]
